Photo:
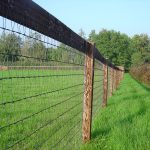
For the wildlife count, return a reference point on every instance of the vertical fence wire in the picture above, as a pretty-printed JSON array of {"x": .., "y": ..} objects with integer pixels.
[
  {"x": 41, "y": 88},
  {"x": 97, "y": 87},
  {"x": 109, "y": 82}
]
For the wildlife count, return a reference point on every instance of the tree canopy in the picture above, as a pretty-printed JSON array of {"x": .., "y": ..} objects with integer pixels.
[
  {"x": 121, "y": 49},
  {"x": 118, "y": 48}
]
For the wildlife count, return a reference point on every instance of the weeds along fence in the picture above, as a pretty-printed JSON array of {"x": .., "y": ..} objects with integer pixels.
[{"x": 52, "y": 82}]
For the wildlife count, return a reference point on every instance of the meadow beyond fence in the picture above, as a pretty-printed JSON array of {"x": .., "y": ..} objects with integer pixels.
[{"x": 52, "y": 81}]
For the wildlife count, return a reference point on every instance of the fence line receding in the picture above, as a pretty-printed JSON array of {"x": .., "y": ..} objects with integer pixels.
[{"x": 52, "y": 82}]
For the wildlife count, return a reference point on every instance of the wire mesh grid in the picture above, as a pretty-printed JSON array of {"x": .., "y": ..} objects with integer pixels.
[
  {"x": 41, "y": 84},
  {"x": 97, "y": 87},
  {"x": 109, "y": 81},
  {"x": 42, "y": 80}
]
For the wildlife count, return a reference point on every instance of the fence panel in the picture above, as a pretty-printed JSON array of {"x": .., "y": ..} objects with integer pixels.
[
  {"x": 42, "y": 89},
  {"x": 43, "y": 80},
  {"x": 98, "y": 87}
]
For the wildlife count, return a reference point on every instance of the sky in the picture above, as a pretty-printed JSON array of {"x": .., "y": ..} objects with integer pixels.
[{"x": 127, "y": 16}]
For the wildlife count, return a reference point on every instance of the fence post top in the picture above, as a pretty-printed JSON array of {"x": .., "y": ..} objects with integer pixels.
[
  {"x": 121, "y": 68},
  {"x": 91, "y": 43}
]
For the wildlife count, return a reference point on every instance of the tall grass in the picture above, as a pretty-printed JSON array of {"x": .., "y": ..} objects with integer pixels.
[
  {"x": 32, "y": 96},
  {"x": 43, "y": 108},
  {"x": 141, "y": 73}
]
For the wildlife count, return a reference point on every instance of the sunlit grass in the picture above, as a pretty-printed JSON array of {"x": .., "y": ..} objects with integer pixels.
[
  {"x": 31, "y": 99},
  {"x": 40, "y": 107},
  {"x": 125, "y": 123}
]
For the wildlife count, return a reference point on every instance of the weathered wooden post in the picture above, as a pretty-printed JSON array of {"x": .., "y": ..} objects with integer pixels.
[
  {"x": 105, "y": 85},
  {"x": 88, "y": 93}
]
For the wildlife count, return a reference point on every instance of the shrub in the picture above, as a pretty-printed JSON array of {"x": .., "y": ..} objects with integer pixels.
[{"x": 141, "y": 73}]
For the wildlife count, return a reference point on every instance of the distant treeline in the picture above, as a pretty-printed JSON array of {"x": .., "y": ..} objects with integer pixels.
[
  {"x": 131, "y": 52},
  {"x": 33, "y": 50},
  {"x": 118, "y": 48},
  {"x": 121, "y": 49}
]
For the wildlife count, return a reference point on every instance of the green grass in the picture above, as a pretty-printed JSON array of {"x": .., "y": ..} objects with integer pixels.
[
  {"x": 15, "y": 89},
  {"x": 28, "y": 96},
  {"x": 125, "y": 123}
]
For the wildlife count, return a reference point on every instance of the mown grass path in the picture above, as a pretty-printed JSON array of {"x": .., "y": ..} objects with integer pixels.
[{"x": 125, "y": 123}]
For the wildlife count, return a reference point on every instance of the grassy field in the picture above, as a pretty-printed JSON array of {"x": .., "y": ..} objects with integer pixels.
[
  {"x": 125, "y": 123},
  {"x": 42, "y": 109}
]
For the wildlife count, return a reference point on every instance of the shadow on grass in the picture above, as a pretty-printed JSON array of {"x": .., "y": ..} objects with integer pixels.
[
  {"x": 130, "y": 117},
  {"x": 125, "y": 121},
  {"x": 100, "y": 132}
]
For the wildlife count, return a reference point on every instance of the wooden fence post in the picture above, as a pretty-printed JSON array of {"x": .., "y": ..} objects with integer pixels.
[
  {"x": 105, "y": 85},
  {"x": 88, "y": 93}
]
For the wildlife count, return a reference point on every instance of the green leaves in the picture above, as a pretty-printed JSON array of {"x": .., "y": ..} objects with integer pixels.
[
  {"x": 113, "y": 45},
  {"x": 121, "y": 49},
  {"x": 141, "y": 47},
  {"x": 10, "y": 47}
]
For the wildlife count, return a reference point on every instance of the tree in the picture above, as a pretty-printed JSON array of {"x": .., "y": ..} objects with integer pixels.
[
  {"x": 141, "y": 43},
  {"x": 10, "y": 47},
  {"x": 114, "y": 46},
  {"x": 141, "y": 47},
  {"x": 34, "y": 46},
  {"x": 92, "y": 35}
]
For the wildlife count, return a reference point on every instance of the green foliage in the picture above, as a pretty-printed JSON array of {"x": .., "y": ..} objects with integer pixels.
[
  {"x": 141, "y": 47},
  {"x": 114, "y": 46},
  {"x": 141, "y": 43},
  {"x": 17, "y": 51},
  {"x": 117, "y": 47},
  {"x": 34, "y": 47},
  {"x": 136, "y": 58},
  {"x": 10, "y": 47},
  {"x": 121, "y": 49},
  {"x": 147, "y": 58}
]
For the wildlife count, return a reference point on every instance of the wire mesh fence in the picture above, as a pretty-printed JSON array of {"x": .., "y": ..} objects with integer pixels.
[
  {"x": 97, "y": 87},
  {"x": 42, "y": 81},
  {"x": 41, "y": 89}
]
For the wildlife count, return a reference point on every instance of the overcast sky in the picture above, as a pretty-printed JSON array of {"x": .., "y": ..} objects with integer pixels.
[{"x": 127, "y": 16}]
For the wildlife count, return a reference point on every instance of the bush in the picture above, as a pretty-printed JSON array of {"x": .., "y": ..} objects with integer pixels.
[{"x": 141, "y": 73}]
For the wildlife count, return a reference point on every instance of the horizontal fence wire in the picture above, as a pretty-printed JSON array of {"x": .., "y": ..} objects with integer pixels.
[
  {"x": 97, "y": 87},
  {"x": 43, "y": 79},
  {"x": 42, "y": 88}
]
